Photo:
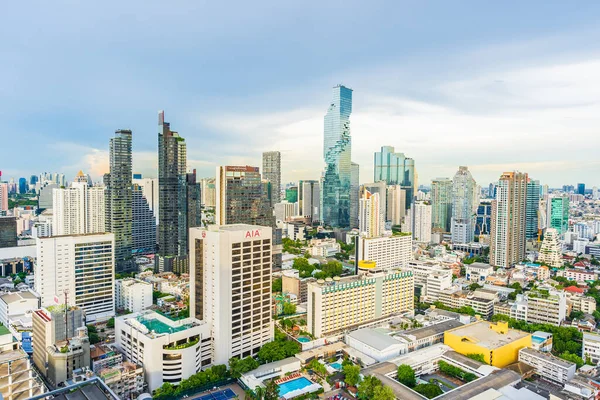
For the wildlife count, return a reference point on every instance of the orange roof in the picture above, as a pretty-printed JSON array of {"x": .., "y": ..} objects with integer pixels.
[{"x": 574, "y": 289}]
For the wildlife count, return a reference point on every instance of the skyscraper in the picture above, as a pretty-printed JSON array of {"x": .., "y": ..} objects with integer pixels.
[
  {"x": 533, "y": 206},
  {"x": 149, "y": 188},
  {"x": 119, "y": 200},
  {"x": 8, "y": 232},
  {"x": 421, "y": 221},
  {"x": 381, "y": 189},
  {"x": 78, "y": 209},
  {"x": 463, "y": 195},
  {"x": 580, "y": 188},
  {"x": 3, "y": 197},
  {"x": 309, "y": 193},
  {"x": 484, "y": 217},
  {"x": 271, "y": 161},
  {"x": 441, "y": 204},
  {"x": 507, "y": 237},
  {"x": 337, "y": 147},
  {"x": 396, "y": 169},
  {"x": 559, "y": 214},
  {"x": 370, "y": 218},
  {"x": 144, "y": 223},
  {"x": 23, "y": 187},
  {"x": 172, "y": 215},
  {"x": 395, "y": 204},
  {"x": 550, "y": 252}
]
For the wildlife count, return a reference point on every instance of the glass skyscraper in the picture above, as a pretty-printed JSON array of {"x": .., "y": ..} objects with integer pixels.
[
  {"x": 559, "y": 214},
  {"x": 337, "y": 149},
  {"x": 483, "y": 222},
  {"x": 441, "y": 203},
  {"x": 532, "y": 211},
  {"x": 395, "y": 169}
]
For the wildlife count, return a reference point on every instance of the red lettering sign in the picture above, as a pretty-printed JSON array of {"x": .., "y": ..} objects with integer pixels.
[{"x": 251, "y": 234}]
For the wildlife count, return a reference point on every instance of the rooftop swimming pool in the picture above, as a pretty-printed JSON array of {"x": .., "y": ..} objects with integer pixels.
[
  {"x": 290, "y": 386},
  {"x": 303, "y": 339}
]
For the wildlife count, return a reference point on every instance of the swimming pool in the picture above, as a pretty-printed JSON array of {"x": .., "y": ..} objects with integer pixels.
[
  {"x": 296, "y": 384},
  {"x": 336, "y": 365},
  {"x": 303, "y": 339},
  {"x": 537, "y": 339}
]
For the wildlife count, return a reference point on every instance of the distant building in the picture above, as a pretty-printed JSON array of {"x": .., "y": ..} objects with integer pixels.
[
  {"x": 8, "y": 232},
  {"x": 271, "y": 164},
  {"x": 143, "y": 229},
  {"x": 463, "y": 206},
  {"x": 395, "y": 169},
  {"x": 441, "y": 203},
  {"x": 532, "y": 209},
  {"x": 3, "y": 197},
  {"x": 395, "y": 205},
  {"x": 559, "y": 214},
  {"x": 483, "y": 218},
  {"x": 309, "y": 200},
  {"x": 431, "y": 277},
  {"x": 421, "y": 221},
  {"x": 78, "y": 209}
]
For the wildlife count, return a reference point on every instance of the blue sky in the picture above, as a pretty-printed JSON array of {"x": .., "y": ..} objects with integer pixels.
[{"x": 492, "y": 85}]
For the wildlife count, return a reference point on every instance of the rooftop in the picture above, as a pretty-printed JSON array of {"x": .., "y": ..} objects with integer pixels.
[
  {"x": 479, "y": 265},
  {"x": 496, "y": 380},
  {"x": 548, "y": 357},
  {"x": 375, "y": 339},
  {"x": 18, "y": 296},
  {"x": 4, "y": 330},
  {"x": 481, "y": 334},
  {"x": 432, "y": 330}
]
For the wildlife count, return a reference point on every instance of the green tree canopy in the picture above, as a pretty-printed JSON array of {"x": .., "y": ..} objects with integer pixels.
[
  {"x": 383, "y": 393},
  {"x": 351, "y": 374},
  {"x": 428, "y": 390},
  {"x": 406, "y": 376},
  {"x": 366, "y": 388}
]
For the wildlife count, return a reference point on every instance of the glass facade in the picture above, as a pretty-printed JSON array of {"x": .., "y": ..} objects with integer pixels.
[
  {"x": 532, "y": 210},
  {"x": 272, "y": 172},
  {"x": 559, "y": 214},
  {"x": 441, "y": 203},
  {"x": 144, "y": 224},
  {"x": 395, "y": 169},
  {"x": 337, "y": 148},
  {"x": 484, "y": 218}
]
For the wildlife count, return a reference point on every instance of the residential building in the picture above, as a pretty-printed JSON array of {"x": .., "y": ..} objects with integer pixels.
[
  {"x": 230, "y": 287},
  {"x": 578, "y": 274},
  {"x": 480, "y": 300},
  {"x": 548, "y": 366},
  {"x": 208, "y": 192},
  {"x": 371, "y": 214},
  {"x": 396, "y": 169},
  {"x": 483, "y": 218},
  {"x": 172, "y": 215},
  {"x": 559, "y": 214},
  {"x": 348, "y": 303},
  {"x": 309, "y": 200},
  {"x": 8, "y": 232},
  {"x": 149, "y": 188},
  {"x": 550, "y": 252},
  {"x": 386, "y": 251},
  {"x": 3, "y": 197},
  {"x": 169, "y": 351},
  {"x": 354, "y": 193},
  {"x": 292, "y": 284},
  {"x": 125, "y": 379},
  {"x": 478, "y": 272},
  {"x": 591, "y": 347},
  {"x": 431, "y": 277},
  {"x": 271, "y": 169},
  {"x": 441, "y": 203},
  {"x": 532, "y": 210},
  {"x": 507, "y": 237},
  {"x": 45, "y": 197},
  {"x": 80, "y": 267},
  {"x": 463, "y": 203},
  {"x": 586, "y": 304},
  {"x": 324, "y": 247},
  {"x": 19, "y": 380},
  {"x": 396, "y": 205},
  {"x": 143, "y": 229},
  {"x": 498, "y": 343},
  {"x": 15, "y": 311},
  {"x": 78, "y": 209},
  {"x": 193, "y": 202},
  {"x": 284, "y": 211},
  {"x": 119, "y": 199},
  {"x": 421, "y": 221},
  {"x": 545, "y": 307},
  {"x": 133, "y": 295}
]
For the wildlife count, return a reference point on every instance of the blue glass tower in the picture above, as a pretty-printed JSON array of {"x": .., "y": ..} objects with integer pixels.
[
  {"x": 337, "y": 147},
  {"x": 532, "y": 209}
]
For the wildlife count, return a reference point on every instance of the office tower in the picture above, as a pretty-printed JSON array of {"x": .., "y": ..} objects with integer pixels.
[
  {"x": 82, "y": 266},
  {"x": 23, "y": 187},
  {"x": 119, "y": 198},
  {"x": 8, "y": 232},
  {"x": 396, "y": 169},
  {"x": 507, "y": 237},
  {"x": 309, "y": 199},
  {"x": 483, "y": 221},
  {"x": 441, "y": 204},
  {"x": 581, "y": 189},
  {"x": 271, "y": 170},
  {"x": 143, "y": 229},
  {"x": 532, "y": 211},
  {"x": 78, "y": 209},
  {"x": 568, "y": 188},
  {"x": 337, "y": 148},
  {"x": 172, "y": 224},
  {"x": 395, "y": 205},
  {"x": 463, "y": 195},
  {"x": 3, "y": 197},
  {"x": 421, "y": 221},
  {"x": 208, "y": 192},
  {"x": 559, "y": 214},
  {"x": 230, "y": 287},
  {"x": 149, "y": 188},
  {"x": 371, "y": 222},
  {"x": 284, "y": 211},
  {"x": 551, "y": 252},
  {"x": 347, "y": 303},
  {"x": 354, "y": 194},
  {"x": 194, "y": 202},
  {"x": 291, "y": 194},
  {"x": 52, "y": 325},
  {"x": 33, "y": 180}
]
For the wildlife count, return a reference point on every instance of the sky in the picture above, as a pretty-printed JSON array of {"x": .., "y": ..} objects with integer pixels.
[{"x": 495, "y": 86}]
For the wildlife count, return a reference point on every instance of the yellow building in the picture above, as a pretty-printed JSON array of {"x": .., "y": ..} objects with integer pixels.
[{"x": 498, "y": 343}]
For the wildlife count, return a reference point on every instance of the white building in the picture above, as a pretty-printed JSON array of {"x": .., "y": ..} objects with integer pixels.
[
  {"x": 337, "y": 305},
  {"x": 478, "y": 272},
  {"x": 324, "y": 248},
  {"x": 463, "y": 206},
  {"x": 395, "y": 204},
  {"x": 230, "y": 287},
  {"x": 431, "y": 277},
  {"x": 131, "y": 294},
  {"x": 78, "y": 209},
  {"x": 540, "y": 307},
  {"x": 375, "y": 344},
  {"x": 169, "y": 351},
  {"x": 578, "y": 275},
  {"x": 421, "y": 221},
  {"x": 82, "y": 266},
  {"x": 550, "y": 252},
  {"x": 387, "y": 252},
  {"x": 16, "y": 309},
  {"x": 548, "y": 366},
  {"x": 284, "y": 210},
  {"x": 591, "y": 347},
  {"x": 309, "y": 195},
  {"x": 370, "y": 217}
]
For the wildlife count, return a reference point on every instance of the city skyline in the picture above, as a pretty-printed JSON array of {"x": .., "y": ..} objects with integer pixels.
[{"x": 442, "y": 86}]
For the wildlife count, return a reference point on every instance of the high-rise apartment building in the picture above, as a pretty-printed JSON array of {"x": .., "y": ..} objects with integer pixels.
[
  {"x": 309, "y": 193},
  {"x": 80, "y": 266},
  {"x": 271, "y": 170},
  {"x": 8, "y": 232},
  {"x": 371, "y": 223},
  {"x": 354, "y": 193},
  {"x": 208, "y": 192},
  {"x": 143, "y": 229},
  {"x": 335, "y": 306},
  {"x": 421, "y": 221},
  {"x": 119, "y": 220},
  {"x": 78, "y": 209},
  {"x": 532, "y": 210},
  {"x": 337, "y": 148},
  {"x": 463, "y": 202},
  {"x": 441, "y": 204},
  {"x": 133, "y": 295},
  {"x": 387, "y": 252},
  {"x": 396, "y": 169},
  {"x": 172, "y": 215},
  {"x": 559, "y": 214},
  {"x": 3, "y": 197},
  {"x": 230, "y": 287},
  {"x": 551, "y": 252},
  {"x": 507, "y": 237},
  {"x": 149, "y": 188},
  {"x": 194, "y": 201},
  {"x": 395, "y": 204}
]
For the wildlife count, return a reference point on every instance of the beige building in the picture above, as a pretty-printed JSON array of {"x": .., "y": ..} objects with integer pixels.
[
  {"x": 295, "y": 285},
  {"x": 18, "y": 380},
  {"x": 387, "y": 252},
  {"x": 67, "y": 356},
  {"x": 126, "y": 379},
  {"x": 343, "y": 304},
  {"x": 546, "y": 308},
  {"x": 480, "y": 300},
  {"x": 550, "y": 252}
]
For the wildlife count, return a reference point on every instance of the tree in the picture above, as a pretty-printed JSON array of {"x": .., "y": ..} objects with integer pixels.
[
  {"x": 317, "y": 367},
  {"x": 366, "y": 388},
  {"x": 574, "y": 358},
  {"x": 406, "y": 376},
  {"x": 383, "y": 393},
  {"x": 271, "y": 391},
  {"x": 110, "y": 323},
  {"x": 351, "y": 374},
  {"x": 276, "y": 286},
  {"x": 289, "y": 309},
  {"x": 93, "y": 334},
  {"x": 477, "y": 357},
  {"x": 239, "y": 367},
  {"x": 474, "y": 286},
  {"x": 576, "y": 315},
  {"x": 428, "y": 390}
]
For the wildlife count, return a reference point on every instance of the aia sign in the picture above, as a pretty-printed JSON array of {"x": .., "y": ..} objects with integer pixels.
[{"x": 252, "y": 234}]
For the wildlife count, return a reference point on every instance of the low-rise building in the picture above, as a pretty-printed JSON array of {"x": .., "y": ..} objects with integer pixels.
[
  {"x": 131, "y": 294},
  {"x": 541, "y": 341},
  {"x": 478, "y": 272},
  {"x": 429, "y": 335},
  {"x": 16, "y": 309},
  {"x": 548, "y": 366},
  {"x": 481, "y": 300},
  {"x": 377, "y": 345},
  {"x": 545, "y": 307},
  {"x": 64, "y": 357},
  {"x": 324, "y": 248},
  {"x": 126, "y": 379},
  {"x": 293, "y": 284},
  {"x": 431, "y": 277},
  {"x": 586, "y": 304},
  {"x": 18, "y": 380},
  {"x": 578, "y": 275},
  {"x": 591, "y": 347}
]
